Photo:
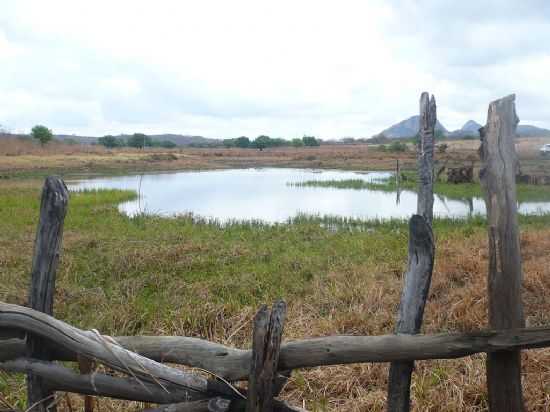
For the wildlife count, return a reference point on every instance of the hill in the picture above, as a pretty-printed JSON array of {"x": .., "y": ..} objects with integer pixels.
[
  {"x": 408, "y": 128},
  {"x": 526, "y": 130},
  {"x": 470, "y": 128}
]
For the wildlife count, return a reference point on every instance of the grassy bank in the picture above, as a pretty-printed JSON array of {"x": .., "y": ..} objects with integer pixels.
[
  {"x": 182, "y": 276},
  {"x": 525, "y": 193}
]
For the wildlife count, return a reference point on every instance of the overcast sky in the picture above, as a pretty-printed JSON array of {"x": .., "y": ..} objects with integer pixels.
[{"x": 282, "y": 68}]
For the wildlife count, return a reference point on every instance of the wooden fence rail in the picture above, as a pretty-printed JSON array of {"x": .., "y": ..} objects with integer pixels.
[
  {"x": 229, "y": 363},
  {"x": 32, "y": 340}
]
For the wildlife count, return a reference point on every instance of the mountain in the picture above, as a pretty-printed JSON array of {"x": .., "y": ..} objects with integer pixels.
[
  {"x": 408, "y": 128},
  {"x": 470, "y": 128},
  {"x": 526, "y": 130}
]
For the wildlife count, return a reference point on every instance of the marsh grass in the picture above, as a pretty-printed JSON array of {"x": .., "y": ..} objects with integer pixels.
[
  {"x": 525, "y": 192},
  {"x": 188, "y": 276}
]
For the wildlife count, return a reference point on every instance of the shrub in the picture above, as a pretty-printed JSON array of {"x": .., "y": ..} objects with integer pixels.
[{"x": 397, "y": 146}]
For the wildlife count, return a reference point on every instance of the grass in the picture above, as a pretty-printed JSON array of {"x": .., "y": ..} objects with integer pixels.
[
  {"x": 525, "y": 192},
  {"x": 185, "y": 276}
]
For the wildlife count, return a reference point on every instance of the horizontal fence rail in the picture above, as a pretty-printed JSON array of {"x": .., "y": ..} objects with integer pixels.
[{"x": 234, "y": 364}]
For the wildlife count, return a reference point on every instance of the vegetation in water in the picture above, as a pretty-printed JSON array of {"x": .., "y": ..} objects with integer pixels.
[{"x": 461, "y": 191}]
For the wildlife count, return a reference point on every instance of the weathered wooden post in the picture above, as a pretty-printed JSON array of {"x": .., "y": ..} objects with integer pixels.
[
  {"x": 47, "y": 246},
  {"x": 497, "y": 175},
  {"x": 425, "y": 157},
  {"x": 421, "y": 258},
  {"x": 268, "y": 331}
]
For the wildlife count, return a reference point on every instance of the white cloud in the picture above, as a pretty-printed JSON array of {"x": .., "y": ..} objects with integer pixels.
[{"x": 283, "y": 68}]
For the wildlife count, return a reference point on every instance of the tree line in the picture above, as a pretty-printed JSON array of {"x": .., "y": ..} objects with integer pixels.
[
  {"x": 263, "y": 142},
  {"x": 141, "y": 140},
  {"x": 138, "y": 140}
]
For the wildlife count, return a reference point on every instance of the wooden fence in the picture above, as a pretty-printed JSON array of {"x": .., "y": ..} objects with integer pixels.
[{"x": 31, "y": 339}]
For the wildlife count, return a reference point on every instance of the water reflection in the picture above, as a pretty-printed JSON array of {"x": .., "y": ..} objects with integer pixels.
[{"x": 263, "y": 194}]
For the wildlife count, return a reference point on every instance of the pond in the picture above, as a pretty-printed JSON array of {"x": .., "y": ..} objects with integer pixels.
[{"x": 268, "y": 195}]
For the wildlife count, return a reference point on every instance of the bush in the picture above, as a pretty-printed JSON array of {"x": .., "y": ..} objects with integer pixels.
[
  {"x": 397, "y": 147},
  {"x": 442, "y": 148}
]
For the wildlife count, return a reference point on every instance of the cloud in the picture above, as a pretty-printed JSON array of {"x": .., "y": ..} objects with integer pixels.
[{"x": 287, "y": 68}]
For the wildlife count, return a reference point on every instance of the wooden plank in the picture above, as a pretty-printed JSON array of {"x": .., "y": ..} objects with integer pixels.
[
  {"x": 306, "y": 353},
  {"x": 268, "y": 331},
  {"x": 207, "y": 405},
  {"x": 104, "y": 350},
  {"x": 498, "y": 173},
  {"x": 47, "y": 247},
  {"x": 421, "y": 257},
  {"x": 60, "y": 378}
]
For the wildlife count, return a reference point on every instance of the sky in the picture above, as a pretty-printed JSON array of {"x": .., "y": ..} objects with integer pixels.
[{"x": 283, "y": 68}]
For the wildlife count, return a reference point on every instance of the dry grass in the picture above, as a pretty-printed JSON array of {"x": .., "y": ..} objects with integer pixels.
[
  {"x": 156, "y": 276},
  {"x": 361, "y": 300},
  {"x": 21, "y": 156}
]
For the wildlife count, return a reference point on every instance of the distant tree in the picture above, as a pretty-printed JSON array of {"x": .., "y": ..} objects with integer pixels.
[
  {"x": 42, "y": 134},
  {"x": 297, "y": 142},
  {"x": 229, "y": 143},
  {"x": 310, "y": 141},
  {"x": 139, "y": 140},
  {"x": 242, "y": 142},
  {"x": 108, "y": 141},
  {"x": 261, "y": 142}
]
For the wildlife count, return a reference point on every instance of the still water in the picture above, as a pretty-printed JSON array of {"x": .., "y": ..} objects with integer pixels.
[{"x": 265, "y": 194}]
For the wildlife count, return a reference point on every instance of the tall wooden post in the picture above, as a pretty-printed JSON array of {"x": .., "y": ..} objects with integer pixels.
[
  {"x": 425, "y": 157},
  {"x": 47, "y": 246},
  {"x": 498, "y": 174},
  {"x": 421, "y": 258}
]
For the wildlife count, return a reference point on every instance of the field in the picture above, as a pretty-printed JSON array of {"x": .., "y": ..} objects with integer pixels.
[
  {"x": 148, "y": 275},
  {"x": 23, "y": 158}
]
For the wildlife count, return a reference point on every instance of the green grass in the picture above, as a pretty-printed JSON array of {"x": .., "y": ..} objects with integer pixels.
[
  {"x": 188, "y": 276},
  {"x": 165, "y": 269},
  {"x": 525, "y": 193}
]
